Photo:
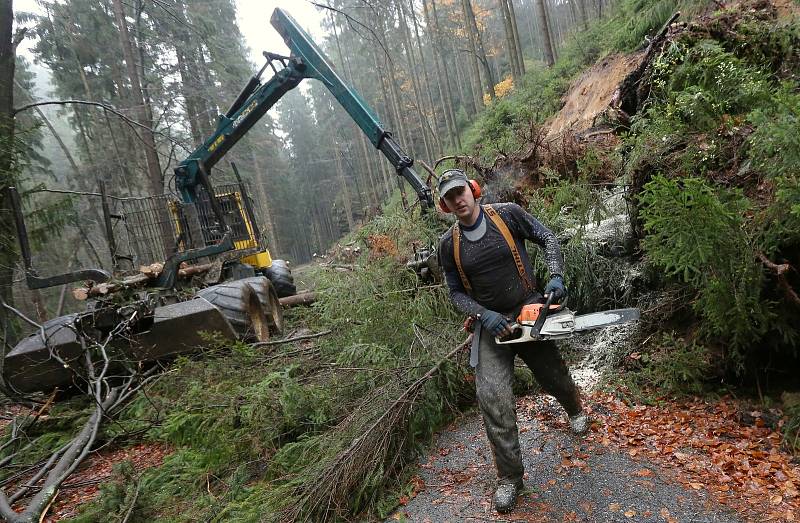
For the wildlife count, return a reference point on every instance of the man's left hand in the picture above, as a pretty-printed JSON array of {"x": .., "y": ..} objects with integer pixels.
[{"x": 556, "y": 287}]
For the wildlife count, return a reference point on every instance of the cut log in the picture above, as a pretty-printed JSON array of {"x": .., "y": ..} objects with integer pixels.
[
  {"x": 191, "y": 270},
  {"x": 304, "y": 298},
  {"x": 152, "y": 270},
  {"x": 80, "y": 293}
]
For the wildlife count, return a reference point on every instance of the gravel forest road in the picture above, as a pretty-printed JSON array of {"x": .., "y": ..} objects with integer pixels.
[{"x": 567, "y": 478}]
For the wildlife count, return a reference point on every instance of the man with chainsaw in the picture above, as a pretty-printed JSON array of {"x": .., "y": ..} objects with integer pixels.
[{"x": 489, "y": 275}]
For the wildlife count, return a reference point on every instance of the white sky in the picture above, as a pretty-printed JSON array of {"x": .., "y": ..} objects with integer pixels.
[
  {"x": 254, "y": 23},
  {"x": 253, "y": 16}
]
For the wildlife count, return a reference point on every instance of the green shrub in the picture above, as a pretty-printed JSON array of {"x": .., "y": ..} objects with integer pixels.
[
  {"x": 696, "y": 83},
  {"x": 669, "y": 365},
  {"x": 774, "y": 146},
  {"x": 696, "y": 232}
]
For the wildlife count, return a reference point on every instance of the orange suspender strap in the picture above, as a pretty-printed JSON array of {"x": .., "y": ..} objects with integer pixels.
[
  {"x": 457, "y": 256},
  {"x": 500, "y": 224}
]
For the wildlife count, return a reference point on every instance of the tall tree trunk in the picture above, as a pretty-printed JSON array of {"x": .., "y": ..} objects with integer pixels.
[
  {"x": 445, "y": 93},
  {"x": 431, "y": 107},
  {"x": 361, "y": 139},
  {"x": 345, "y": 192},
  {"x": 469, "y": 93},
  {"x": 517, "y": 41},
  {"x": 547, "y": 42},
  {"x": 582, "y": 13},
  {"x": 469, "y": 18},
  {"x": 414, "y": 83},
  {"x": 8, "y": 251},
  {"x": 394, "y": 96},
  {"x": 140, "y": 110},
  {"x": 511, "y": 46},
  {"x": 489, "y": 77},
  {"x": 556, "y": 31},
  {"x": 529, "y": 9},
  {"x": 387, "y": 110},
  {"x": 88, "y": 142},
  {"x": 260, "y": 181}
]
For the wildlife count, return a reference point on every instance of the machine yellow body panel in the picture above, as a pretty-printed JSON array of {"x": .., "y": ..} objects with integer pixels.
[{"x": 259, "y": 260}]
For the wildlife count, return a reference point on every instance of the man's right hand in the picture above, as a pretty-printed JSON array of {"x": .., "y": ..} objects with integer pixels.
[{"x": 495, "y": 323}]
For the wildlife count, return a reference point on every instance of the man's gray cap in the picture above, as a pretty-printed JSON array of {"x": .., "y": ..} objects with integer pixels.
[{"x": 450, "y": 179}]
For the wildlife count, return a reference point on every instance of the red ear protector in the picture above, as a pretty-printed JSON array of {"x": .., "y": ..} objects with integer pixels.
[{"x": 476, "y": 193}]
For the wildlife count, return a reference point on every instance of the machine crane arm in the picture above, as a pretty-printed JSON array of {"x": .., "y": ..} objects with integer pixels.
[{"x": 306, "y": 61}]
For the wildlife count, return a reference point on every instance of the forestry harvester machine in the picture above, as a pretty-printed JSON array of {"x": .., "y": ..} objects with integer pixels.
[{"x": 207, "y": 231}]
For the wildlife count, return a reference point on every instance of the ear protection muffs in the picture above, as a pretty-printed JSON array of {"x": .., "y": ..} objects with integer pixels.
[{"x": 476, "y": 193}]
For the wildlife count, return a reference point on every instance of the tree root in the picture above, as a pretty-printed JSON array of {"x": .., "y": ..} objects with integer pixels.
[{"x": 780, "y": 271}]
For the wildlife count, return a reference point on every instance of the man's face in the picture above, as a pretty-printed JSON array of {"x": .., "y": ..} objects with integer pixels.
[{"x": 462, "y": 203}]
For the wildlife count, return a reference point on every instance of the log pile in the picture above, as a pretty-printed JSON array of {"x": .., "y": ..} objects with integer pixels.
[{"x": 146, "y": 274}]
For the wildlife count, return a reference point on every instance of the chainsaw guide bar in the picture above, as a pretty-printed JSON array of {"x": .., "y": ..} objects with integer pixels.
[{"x": 564, "y": 323}]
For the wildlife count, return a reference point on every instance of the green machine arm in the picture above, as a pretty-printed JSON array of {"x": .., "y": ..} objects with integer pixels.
[
  {"x": 318, "y": 67},
  {"x": 306, "y": 61}
]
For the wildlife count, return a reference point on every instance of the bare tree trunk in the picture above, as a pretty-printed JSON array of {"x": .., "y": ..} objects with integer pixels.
[
  {"x": 468, "y": 91},
  {"x": 151, "y": 154},
  {"x": 446, "y": 101},
  {"x": 260, "y": 182},
  {"x": 362, "y": 141},
  {"x": 191, "y": 103},
  {"x": 476, "y": 35},
  {"x": 8, "y": 45},
  {"x": 517, "y": 41},
  {"x": 406, "y": 42},
  {"x": 466, "y": 9},
  {"x": 511, "y": 46},
  {"x": 431, "y": 107},
  {"x": 348, "y": 209},
  {"x": 529, "y": 18},
  {"x": 582, "y": 12},
  {"x": 388, "y": 111},
  {"x": 547, "y": 42},
  {"x": 556, "y": 31}
]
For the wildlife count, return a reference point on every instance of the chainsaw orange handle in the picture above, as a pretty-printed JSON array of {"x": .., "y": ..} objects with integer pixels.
[{"x": 543, "y": 312}]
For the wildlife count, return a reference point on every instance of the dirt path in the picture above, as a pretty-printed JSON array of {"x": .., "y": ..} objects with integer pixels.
[{"x": 567, "y": 479}]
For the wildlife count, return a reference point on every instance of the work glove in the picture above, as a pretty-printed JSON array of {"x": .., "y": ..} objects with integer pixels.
[
  {"x": 494, "y": 322},
  {"x": 556, "y": 287}
]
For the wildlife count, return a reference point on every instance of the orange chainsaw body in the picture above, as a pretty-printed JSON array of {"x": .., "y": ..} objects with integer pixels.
[{"x": 530, "y": 313}]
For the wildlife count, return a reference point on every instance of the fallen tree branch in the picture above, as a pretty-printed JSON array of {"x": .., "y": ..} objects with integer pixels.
[
  {"x": 64, "y": 461},
  {"x": 377, "y": 449},
  {"x": 133, "y": 124},
  {"x": 411, "y": 289},
  {"x": 133, "y": 503},
  {"x": 425, "y": 377},
  {"x": 780, "y": 271},
  {"x": 290, "y": 340}
]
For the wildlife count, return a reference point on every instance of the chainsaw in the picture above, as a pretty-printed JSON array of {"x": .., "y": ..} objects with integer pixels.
[{"x": 547, "y": 321}]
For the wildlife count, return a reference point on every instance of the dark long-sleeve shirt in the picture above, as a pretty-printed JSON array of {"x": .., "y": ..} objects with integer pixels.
[{"x": 489, "y": 265}]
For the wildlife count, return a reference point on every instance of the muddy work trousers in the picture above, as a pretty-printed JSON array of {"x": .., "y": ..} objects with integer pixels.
[{"x": 494, "y": 380}]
